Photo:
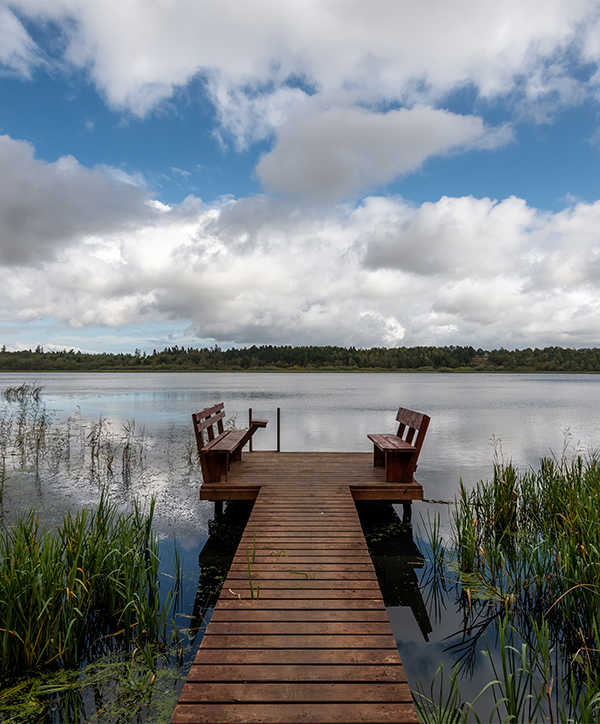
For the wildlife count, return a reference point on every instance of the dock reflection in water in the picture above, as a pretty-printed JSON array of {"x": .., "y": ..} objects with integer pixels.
[
  {"x": 393, "y": 551},
  {"x": 395, "y": 557},
  {"x": 214, "y": 560}
]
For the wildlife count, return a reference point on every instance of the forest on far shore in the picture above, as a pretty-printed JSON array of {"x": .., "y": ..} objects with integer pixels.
[{"x": 308, "y": 358}]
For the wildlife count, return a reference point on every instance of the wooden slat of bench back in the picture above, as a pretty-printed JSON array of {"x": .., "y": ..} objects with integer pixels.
[
  {"x": 205, "y": 419},
  {"x": 211, "y": 410},
  {"x": 202, "y": 424},
  {"x": 411, "y": 423},
  {"x": 410, "y": 418}
]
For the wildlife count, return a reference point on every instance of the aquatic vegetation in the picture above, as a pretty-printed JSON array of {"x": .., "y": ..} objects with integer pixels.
[
  {"x": 22, "y": 393},
  {"x": 71, "y": 452},
  {"x": 250, "y": 560},
  {"x": 525, "y": 552},
  {"x": 101, "y": 641},
  {"x": 118, "y": 687},
  {"x": 534, "y": 539},
  {"x": 523, "y": 687},
  {"x": 89, "y": 586}
]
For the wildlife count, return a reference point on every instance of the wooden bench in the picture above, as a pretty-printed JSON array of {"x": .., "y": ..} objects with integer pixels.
[
  {"x": 221, "y": 446},
  {"x": 399, "y": 453}
]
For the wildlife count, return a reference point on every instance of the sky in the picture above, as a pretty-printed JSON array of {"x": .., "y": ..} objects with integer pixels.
[{"x": 302, "y": 172}]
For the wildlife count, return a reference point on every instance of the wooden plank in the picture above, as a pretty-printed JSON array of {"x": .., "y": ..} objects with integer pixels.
[
  {"x": 251, "y": 614},
  {"x": 296, "y": 548},
  {"x": 294, "y": 604},
  {"x": 280, "y": 713},
  {"x": 301, "y": 567},
  {"x": 301, "y": 583},
  {"x": 283, "y": 519},
  {"x": 277, "y": 561},
  {"x": 316, "y": 644},
  {"x": 310, "y": 575},
  {"x": 210, "y": 412},
  {"x": 348, "y": 525},
  {"x": 296, "y": 672},
  {"x": 204, "y": 421},
  {"x": 296, "y": 692},
  {"x": 303, "y": 593},
  {"x": 299, "y": 535},
  {"x": 312, "y": 657},
  {"x": 391, "y": 442},
  {"x": 226, "y": 442},
  {"x": 284, "y": 557},
  {"x": 276, "y": 538},
  {"x": 308, "y": 641},
  {"x": 294, "y": 628},
  {"x": 304, "y": 535},
  {"x": 301, "y": 547},
  {"x": 410, "y": 418}
]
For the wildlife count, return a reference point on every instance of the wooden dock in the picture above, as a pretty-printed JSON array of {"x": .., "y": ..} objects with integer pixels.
[{"x": 314, "y": 644}]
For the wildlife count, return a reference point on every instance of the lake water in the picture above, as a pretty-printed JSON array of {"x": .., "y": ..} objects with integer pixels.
[{"x": 523, "y": 417}]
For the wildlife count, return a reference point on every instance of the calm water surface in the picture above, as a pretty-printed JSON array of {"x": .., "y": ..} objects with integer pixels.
[{"x": 522, "y": 417}]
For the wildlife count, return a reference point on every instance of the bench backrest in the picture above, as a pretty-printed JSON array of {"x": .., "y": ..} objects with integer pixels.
[
  {"x": 412, "y": 423},
  {"x": 205, "y": 421}
]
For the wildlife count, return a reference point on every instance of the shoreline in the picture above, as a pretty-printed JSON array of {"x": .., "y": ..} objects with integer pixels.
[{"x": 307, "y": 370}]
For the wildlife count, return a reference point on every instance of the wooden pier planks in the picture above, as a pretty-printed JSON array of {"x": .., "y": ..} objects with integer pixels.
[
  {"x": 315, "y": 645},
  {"x": 299, "y": 470}
]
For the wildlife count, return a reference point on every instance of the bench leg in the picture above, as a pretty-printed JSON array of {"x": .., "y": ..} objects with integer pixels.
[
  {"x": 398, "y": 468},
  {"x": 378, "y": 457},
  {"x": 215, "y": 466},
  {"x": 226, "y": 466}
]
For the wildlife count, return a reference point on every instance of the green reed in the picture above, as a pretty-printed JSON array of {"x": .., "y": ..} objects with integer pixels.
[
  {"x": 535, "y": 538},
  {"x": 526, "y": 547},
  {"x": 524, "y": 687},
  {"x": 32, "y": 440},
  {"x": 22, "y": 392},
  {"x": 250, "y": 560},
  {"x": 72, "y": 593}
]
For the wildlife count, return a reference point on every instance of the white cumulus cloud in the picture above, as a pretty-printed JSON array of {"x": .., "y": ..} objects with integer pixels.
[
  {"x": 262, "y": 270},
  {"x": 47, "y": 206},
  {"x": 138, "y": 53}
]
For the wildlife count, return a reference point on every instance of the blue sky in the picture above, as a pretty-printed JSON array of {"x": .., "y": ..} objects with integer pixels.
[{"x": 307, "y": 172}]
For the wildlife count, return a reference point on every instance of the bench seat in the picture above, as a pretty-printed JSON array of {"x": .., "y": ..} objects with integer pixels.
[
  {"x": 391, "y": 442},
  {"x": 226, "y": 441}
]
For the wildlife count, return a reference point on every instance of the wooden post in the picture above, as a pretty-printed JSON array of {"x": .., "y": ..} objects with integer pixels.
[
  {"x": 278, "y": 429},
  {"x": 407, "y": 513},
  {"x": 218, "y": 509},
  {"x": 249, "y": 426}
]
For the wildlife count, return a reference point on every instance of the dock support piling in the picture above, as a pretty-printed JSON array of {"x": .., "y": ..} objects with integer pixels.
[
  {"x": 218, "y": 509},
  {"x": 250, "y": 425},
  {"x": 407, "y": 513},
  {"x": 278, "y": 429}
]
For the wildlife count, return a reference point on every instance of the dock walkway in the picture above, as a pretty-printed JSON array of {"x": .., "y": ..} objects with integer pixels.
[{"x": 315, "y": 643}]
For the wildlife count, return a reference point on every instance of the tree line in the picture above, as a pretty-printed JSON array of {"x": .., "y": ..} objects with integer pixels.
[{"x": 287, "y": 357}]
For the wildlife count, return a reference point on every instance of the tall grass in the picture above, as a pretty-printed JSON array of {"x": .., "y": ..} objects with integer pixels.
[
  {"x": 22, "y": 392},
  {"x": 534, "y": 539},
  {"x": 523, "y": 687},
  {"x": 69, "y": 594},
  {"x": 527, "y": 553}
]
